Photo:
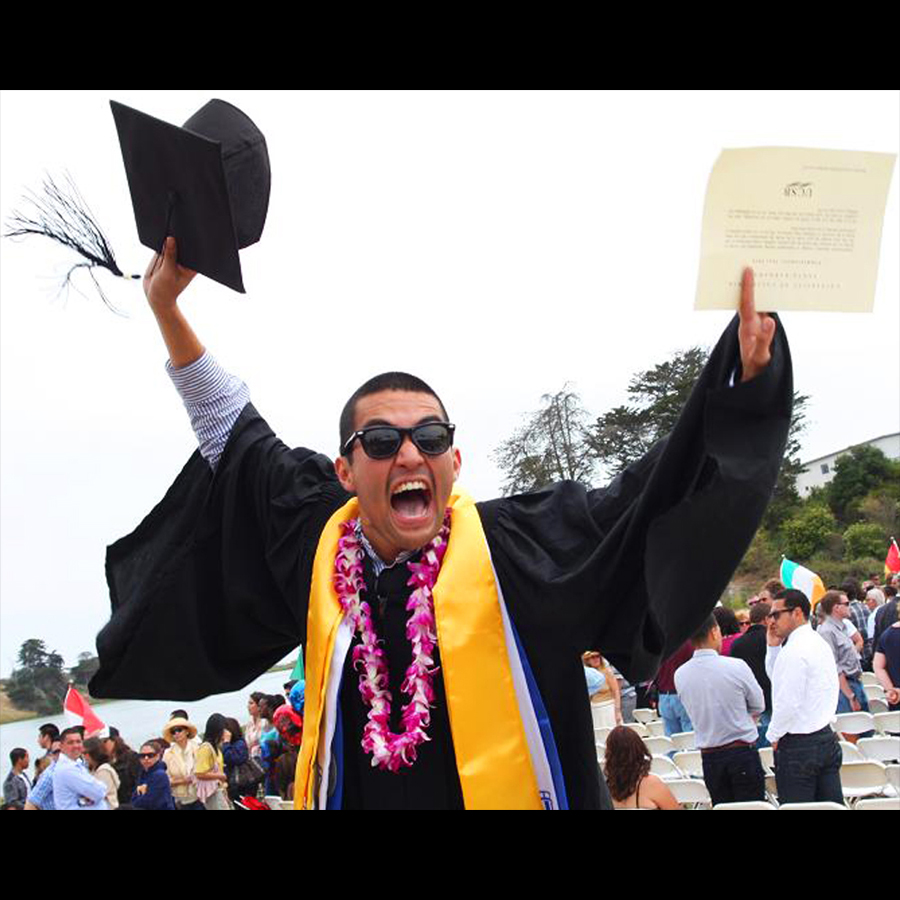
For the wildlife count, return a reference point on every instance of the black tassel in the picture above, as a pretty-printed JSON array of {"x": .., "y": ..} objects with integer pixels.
[{"x": 62, "y": 215}]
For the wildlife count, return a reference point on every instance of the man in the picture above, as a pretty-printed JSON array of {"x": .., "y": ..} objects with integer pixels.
[
  {"x": 805, "y": 691},
  {"x": 751, "y": 647},
  {"x": 858, "y": 612},
  {"x": 723, "y": 699},
  {"x": 41, "y": 795},
  {"x": 852, "y": 697},
  {"x": 48, "y": 735},
  {"x": 279, "y": 546},
  {"x": 769, "y": 591},
  {"x": 671, "y": 710},
  {"x": 16, "y": 785},
  {"x": 73, "y": 786},
  {"x": 887, "y": 664},
  {"x": 885, "y": 615}
]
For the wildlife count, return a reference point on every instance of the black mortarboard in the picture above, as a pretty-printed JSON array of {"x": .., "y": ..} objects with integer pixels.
[{"x": 206, "y": 184}]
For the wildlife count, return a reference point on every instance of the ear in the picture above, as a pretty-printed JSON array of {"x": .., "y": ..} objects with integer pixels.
[
  {"x": 457, "y": 463},
  {"x": 344, "y": 472}
]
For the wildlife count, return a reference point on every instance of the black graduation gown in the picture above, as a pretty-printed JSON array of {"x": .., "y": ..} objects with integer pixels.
[{"x": 212, "y": 587}]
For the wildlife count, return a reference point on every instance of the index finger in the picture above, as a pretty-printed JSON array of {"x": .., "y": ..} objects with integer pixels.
[{"x": 748, "y": 302}]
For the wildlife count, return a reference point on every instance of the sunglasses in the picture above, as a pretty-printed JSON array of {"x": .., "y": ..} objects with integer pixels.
[
  {"x": 775, "y": 613},
  {"x": 147, "y": 755},
  {"x": 178, "y": 729},
  {"x": 384, "y": 441}
]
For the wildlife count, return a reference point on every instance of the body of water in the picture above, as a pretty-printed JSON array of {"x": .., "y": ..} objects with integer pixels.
[{"x": 139, "y": 720}]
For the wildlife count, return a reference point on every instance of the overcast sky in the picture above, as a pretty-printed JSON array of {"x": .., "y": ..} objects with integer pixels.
[{"x": 498, "y": 245}]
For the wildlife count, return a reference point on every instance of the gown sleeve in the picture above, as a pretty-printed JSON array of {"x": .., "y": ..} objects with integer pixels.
[
  {"x": 631, "y": 569},
  {"x": 212, "y": 587}
]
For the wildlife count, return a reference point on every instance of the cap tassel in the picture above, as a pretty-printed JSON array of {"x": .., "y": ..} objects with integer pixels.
[{"x": 62, "y": 215}]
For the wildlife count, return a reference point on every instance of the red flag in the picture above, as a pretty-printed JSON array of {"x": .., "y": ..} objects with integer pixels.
[
  {"x": 892, "y": 563},
  {"x": 79, "y": 712}
]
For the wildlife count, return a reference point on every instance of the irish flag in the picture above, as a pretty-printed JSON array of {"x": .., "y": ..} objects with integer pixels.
[
  {"x": 79, "y": 712},
  {"x": 800, "y": 579},
  {"x": 892, "y": 563}
]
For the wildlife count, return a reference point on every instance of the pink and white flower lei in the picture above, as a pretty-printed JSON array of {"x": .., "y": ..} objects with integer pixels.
[{"x": 391, "y": 751}]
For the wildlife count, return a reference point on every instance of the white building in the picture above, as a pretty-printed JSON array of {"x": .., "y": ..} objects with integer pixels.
[{"x": 819, "y": 472}]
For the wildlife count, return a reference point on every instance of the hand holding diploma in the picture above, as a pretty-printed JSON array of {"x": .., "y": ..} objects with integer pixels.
[{"x": 755, "y": 332}]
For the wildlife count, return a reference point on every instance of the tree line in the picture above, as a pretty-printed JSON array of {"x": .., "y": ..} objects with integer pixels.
[
  {"x": 40, "y": 679},
  {"x": 839, "y": 530}
]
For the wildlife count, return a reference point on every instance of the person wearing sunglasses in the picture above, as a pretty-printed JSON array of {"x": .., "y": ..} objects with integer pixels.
[
  {"x": 805, "y": 691},
  {"x": 441, "y": 636},
  {"x": 153, "y": 790}
]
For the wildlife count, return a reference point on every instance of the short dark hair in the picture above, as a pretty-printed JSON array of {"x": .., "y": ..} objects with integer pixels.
[
  {"x": 851, "y": 588},
  {"x": 773, "y": 586},
  {"x": 49, "y": 730},
  {"x": 794, "y": 599},
  {"x": 830, "y": 600},
  {"x": 759, "y": 612},
  {"x": 178, "y": 714},
  {"x": 387, "y": 381},
  {"x": 74, "y": 729},
  {"x": 727, "y": 620},
  {"x": 17, "y": 754},
  {"x": 702, "y": 632}
]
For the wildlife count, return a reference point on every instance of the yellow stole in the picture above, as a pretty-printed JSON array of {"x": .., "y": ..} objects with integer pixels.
[{"x": 492, "y": 755}]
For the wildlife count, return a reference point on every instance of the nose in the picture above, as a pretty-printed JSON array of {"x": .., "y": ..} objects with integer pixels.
[{"x": 409, "y": 454}]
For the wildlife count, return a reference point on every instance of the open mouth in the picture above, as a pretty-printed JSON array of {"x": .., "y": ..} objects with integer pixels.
[{"x": 411, "y": 500}]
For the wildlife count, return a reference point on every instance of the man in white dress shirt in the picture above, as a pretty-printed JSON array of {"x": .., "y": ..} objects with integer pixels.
[{"x": 805, "y": 691}]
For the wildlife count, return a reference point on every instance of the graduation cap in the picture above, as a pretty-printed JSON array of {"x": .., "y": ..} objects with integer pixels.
[{"x": 205, "y": 183}]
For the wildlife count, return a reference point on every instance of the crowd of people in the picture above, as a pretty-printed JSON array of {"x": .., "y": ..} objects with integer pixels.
[
  {"x": 180, "y": 769},
  {"x": 774, "y": 674}
]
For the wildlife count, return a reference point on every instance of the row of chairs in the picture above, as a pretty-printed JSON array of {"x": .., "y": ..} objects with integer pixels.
[{"x": 652, "y": 730}]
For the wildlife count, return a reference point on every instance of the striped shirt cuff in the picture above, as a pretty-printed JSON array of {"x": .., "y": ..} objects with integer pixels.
[{"x": 213, "y": 399}]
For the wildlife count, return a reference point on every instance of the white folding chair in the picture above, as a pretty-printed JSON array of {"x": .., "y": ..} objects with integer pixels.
[
  {"x": 747, "y": 804},
  {"x": 684, "y": 740},
  {"x": 879, "y": 803},
  {"x": 659, "y": 746},
  {"x": 689, "y": 790},
  {"x": 877, "y": 706},
  {"x": 286, "y": 804},
  {"x": 272, "y": 801},
  {"x": 645, "y": 716},
  {"x": 767, "y": 758},
  {"x": 869, "y": 678},
  {"x": 639, "y": 728},
  {"x": 888, "y": 722},
  {"x": 771, "y": 786},
  {"x": 851, "y": 753},
  {"x": 690, "y": 762},
  {"x": 819, "y": 804},
  {"x": 601, "y": 734},
  {"x": 874, "y": 692},
  {"x": 885, "y": 749},
  {"x": 854, "y": 723},
  {"x": 863, "y": 779},
  {"x": 657, "y": 728},
  {"x": 665, "y": 768},
  {"x": 892, "y": 774}
]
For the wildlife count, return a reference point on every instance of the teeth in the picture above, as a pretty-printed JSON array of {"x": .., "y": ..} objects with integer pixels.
[{"x": 410, "y": 486}]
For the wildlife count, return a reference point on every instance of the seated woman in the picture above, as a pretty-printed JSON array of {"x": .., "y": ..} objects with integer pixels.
[{"x": 628, "y": 776}]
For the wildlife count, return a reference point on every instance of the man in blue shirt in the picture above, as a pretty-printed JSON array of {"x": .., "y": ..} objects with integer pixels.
[
  {"x": 41, "y": 795},
  {"x": 73, "y": 786}
]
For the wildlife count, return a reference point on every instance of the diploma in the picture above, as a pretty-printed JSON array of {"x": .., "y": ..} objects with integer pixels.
[{"x": 807, "y": 221}]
